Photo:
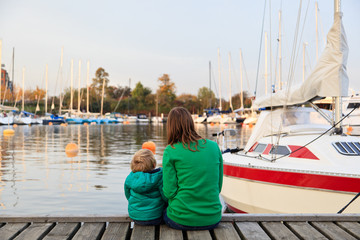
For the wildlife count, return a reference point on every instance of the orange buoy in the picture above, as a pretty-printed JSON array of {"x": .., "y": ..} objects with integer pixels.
[
  {"x": 71, "y": 150},
  {"x": 9, "y": 132},
  {"x": 85, "y": 124},
  {"x": 14, "y": 125},
  {"x": 149, "y": 145},
  {"x": 50, "y": 123},
  {"x": 212, "y": 124},
  {"x": 250, "y": 125}
]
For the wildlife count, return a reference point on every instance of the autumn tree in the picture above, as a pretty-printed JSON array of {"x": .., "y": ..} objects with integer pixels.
[
  {"x": 98, "y": 86},
  {"x": 166, "y": 93},
  {"x": 188, "y": 101}
]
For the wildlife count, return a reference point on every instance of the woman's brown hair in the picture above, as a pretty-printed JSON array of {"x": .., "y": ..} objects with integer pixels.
[
  {"x": 180, "y": 128},
  {"x": 143, "y": 161}
]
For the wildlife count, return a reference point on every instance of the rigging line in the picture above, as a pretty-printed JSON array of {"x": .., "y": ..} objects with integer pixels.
[
  {"x": 258, "y": 64},
  {"x": 244, "y": 68},
  {"x": 214, "y": 81},
  {"x": 292, "y": 66},
  {"x": 332, "y": 127},
  {"x": 119, "y": 100},
  {"x": 42, "y": 83},
  {"x": 302, "y": 31},
  {"x": 354, "y": 198}
]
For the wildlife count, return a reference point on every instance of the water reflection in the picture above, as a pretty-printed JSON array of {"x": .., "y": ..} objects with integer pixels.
[{"x": 37, "y": 177}]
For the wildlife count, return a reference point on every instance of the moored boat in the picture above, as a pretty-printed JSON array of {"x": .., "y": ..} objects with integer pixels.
[{"x": 297, "y": 159}]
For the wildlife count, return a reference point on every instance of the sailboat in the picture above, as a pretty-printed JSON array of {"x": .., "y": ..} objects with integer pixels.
[{"x": 297, "y": 160}]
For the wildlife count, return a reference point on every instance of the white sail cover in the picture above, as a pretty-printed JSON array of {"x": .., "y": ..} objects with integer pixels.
[{"x": 328, "y": 79}]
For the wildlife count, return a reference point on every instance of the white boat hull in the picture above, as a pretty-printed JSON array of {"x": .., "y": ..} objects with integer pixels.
[
  {"x": 6, "y": 120},
  {"x": 242, "y": 195}
]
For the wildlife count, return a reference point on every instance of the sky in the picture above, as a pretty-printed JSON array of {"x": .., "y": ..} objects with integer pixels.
[{"x": 142, "y": 40}]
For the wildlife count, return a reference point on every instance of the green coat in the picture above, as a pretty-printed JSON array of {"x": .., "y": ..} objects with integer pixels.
[
  {"x": 145, "y": 195},
  {"x": 192, "y": 183}
]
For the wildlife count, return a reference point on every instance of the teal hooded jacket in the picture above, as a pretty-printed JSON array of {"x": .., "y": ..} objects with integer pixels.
[{"x": 144, "y": 193}]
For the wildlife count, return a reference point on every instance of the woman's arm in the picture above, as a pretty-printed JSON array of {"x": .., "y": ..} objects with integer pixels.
[
  {"x": 221, "y": 170},
  {"x": 170, "y": 181}
]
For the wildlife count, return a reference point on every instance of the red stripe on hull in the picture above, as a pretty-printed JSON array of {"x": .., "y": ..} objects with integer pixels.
[
  {"x": 306, "y": 180},
  {"x": 234, "y": 209}
]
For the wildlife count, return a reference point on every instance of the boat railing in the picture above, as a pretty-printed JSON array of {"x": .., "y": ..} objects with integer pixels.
[{"x": 227, "y": 140}]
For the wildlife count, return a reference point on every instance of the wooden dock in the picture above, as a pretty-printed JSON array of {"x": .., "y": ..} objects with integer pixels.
[{"x": 232, "y": 226}]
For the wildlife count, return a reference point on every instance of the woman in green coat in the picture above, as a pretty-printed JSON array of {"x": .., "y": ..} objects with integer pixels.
[{"x": 192, "y": 175}]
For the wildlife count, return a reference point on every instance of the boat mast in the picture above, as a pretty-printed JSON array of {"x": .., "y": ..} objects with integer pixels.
[
  {"x": 79, "y": 100},
  {"x": 230, "y": 100},
  {"x": 87, "y": 86},
  {"x": 266, "y": 64},
  {"x": 71, "y": 84},
  {"x": 304, "y": 48},
  {"x": 316, "y": 30},
  {"x": 23, "y": 90},
  {"x": 102, "y": 97},
  {"x": 338, "y": 110},
  {"x": 210, "y": 83},
  {"x": 46, "y": 88},
  {"x": 61, "y": 65},
  {"x": 219, "y": 69},
  {"x": 241, "y": 82},
  {"x": 280, "y": 57}
]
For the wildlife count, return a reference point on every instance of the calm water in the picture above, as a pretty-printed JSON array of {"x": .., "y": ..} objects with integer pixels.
[{"x": 37, "y": 177}]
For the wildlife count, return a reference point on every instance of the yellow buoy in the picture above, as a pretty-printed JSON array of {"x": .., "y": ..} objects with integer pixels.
[
  {"x": 8, "y": 132},
  {"x": 71, "y": 150},
  {"x": 149, "y": 145},
  {"x": 14, "y": 125}
]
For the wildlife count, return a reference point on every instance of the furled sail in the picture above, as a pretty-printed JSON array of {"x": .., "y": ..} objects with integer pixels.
[{"x": 328, "y": 79}]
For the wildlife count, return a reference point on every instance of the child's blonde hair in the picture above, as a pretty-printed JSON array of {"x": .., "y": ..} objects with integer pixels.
[{"x": 143, "y": 161}]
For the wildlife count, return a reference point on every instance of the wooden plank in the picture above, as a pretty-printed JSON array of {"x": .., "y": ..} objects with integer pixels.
[
  {"x": 226, "y": 231},
  {"x": 305, "y": 230},
  {"x": 332, "y": 231},
  {"x": 228, "y": 217},
  {"x": 63, "y": 231},
  {"x": 11, "y": 230},
  {"x": 54, "y": 218},
  {"x": 116, "y": 231},
  {"x": 235, "y": 217},
  {"x": 251, "y": 231},
  {"x": 198, "y": 235},
  {"x": 89, "y": 231},
  {"x": 143, "y": 232},
  {"x": 35, "y": 231},
  {"x": 352, "y": 227},
  {"x": 277, "y": 230},
  {"x": 167, "y": 233}
]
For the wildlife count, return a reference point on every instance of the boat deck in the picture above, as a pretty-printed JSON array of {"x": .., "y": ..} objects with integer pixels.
[{"x": 232, "y": 226}]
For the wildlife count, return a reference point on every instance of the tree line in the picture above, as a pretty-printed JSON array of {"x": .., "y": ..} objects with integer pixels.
[{"x": 123, "y": 99}]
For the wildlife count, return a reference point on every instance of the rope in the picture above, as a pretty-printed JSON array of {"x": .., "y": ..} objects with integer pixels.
[
  {"x": 354, "y": 198},
  {"x": 261, "y": 37}
]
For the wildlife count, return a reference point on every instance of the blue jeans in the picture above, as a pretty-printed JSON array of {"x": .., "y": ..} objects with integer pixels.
[
  {"x": 149, "y": 222},
  {"x": 178, "y": 226}
]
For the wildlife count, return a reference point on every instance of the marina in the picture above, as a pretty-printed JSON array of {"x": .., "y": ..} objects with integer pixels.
[{"x": 36, "y": 171}]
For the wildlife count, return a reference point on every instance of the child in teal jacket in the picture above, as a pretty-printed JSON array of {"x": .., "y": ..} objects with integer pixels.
[{"x": 143, "y": 189}]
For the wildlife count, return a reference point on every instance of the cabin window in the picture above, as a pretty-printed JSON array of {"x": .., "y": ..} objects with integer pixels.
[
  {"x": 347, "y": 148},
  {"x": 260, "y": 148},
  {"x": 280, "y": 150},
  {"x": 353, "y": 105}
]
